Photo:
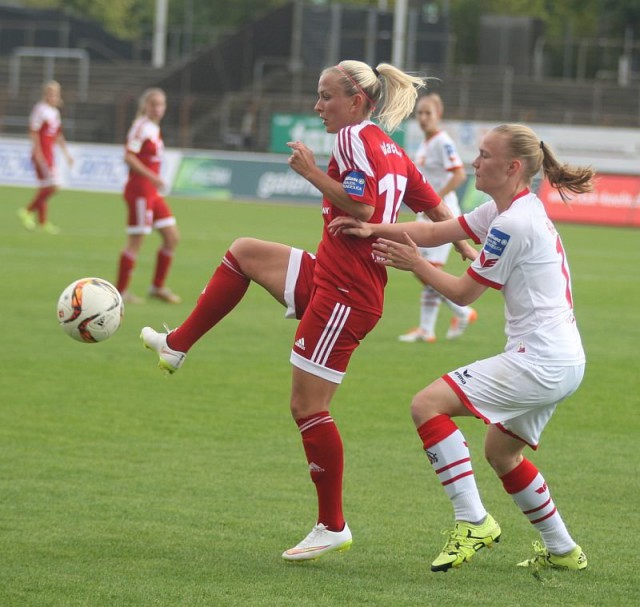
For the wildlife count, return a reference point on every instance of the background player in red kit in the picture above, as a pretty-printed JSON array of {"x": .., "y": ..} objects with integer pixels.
[
  {"x": 147, "y": 209},
  {"x": 45, "y": 129},
  {"x": 336, "y": 294}
]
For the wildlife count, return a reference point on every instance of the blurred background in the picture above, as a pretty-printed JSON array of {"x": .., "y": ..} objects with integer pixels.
[{"x": 230, "y": 66}]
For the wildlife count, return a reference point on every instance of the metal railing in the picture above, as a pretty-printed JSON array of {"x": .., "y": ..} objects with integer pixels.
[{"x": 49, "y": 57}]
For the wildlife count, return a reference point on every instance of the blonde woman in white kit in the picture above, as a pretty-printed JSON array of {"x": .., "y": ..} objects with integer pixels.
[
  {"x": 515, "y": 392},
  {"x": 438, "y": 160}
]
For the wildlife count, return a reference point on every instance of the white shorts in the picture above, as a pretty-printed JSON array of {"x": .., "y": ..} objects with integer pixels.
[
  {"x": 514, "y": 392},
  {"x": 53, "y": 178},
  {"x": 438, "y": 255}
]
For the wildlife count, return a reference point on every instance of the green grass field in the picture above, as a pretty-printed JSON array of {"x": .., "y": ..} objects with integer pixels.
[{"x": 121, "y": 487}]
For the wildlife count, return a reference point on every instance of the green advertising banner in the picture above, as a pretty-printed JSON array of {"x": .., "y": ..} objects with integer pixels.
[
  {"x": 265, "y": 177},
  {"x": 203, "y": 176},
  {"x": 310, "y": 130},
  {"x": 252, "y": 176},
  {"x": 469, "y": 197}
]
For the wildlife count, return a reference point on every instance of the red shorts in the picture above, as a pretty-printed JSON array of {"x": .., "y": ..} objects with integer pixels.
[
  {"x": 329, "y": 330},
  {"x": 146, "y": 212}
]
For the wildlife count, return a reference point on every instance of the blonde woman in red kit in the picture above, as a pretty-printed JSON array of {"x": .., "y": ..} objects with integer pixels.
[{"x": 337, "y": 293}]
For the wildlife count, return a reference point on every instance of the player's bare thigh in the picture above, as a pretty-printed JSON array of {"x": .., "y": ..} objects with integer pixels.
[
  {"x": 310, "y": 394},
  {"x": 263, "y": 262},
  {"x": 438, "y": 398}
]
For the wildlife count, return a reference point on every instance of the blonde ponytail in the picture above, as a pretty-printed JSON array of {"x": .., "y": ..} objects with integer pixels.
[{"x": 385, "y": 88}]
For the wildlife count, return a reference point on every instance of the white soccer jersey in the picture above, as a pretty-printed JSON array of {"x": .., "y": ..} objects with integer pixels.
[
  {"x": 43, "y": 113},
  {"x": 523, "y": 257},
  {"x": 143, "y": 130},
  {"x": 436, "y": 157}
]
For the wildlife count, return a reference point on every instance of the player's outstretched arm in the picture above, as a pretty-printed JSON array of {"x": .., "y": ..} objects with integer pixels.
[
  {"x": 425, "y": 234},
  {"x": 405, "y": 255}
]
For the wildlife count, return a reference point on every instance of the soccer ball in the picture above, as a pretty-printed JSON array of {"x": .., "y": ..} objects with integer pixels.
[{"x": 90, "y": 310}]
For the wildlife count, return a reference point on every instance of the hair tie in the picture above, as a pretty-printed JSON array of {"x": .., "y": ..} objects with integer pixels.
[
  {"x": 541, "y": 144},
  {"x": 376, "y": 73},
  {"x": 371, "y": 102}
]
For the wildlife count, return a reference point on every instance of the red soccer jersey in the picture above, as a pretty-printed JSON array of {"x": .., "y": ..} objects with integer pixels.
[
  {"x": 375, "y": 171},
  {"x": 45, "y": 120},
  {"x": 144, "y": 139}
]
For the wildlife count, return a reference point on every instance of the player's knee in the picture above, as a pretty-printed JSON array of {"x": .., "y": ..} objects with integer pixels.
[
  {"x": 491, "y": 458},
  {"x": 173, "y": 241},
  {"x": 422, "y": 407},
  {"x": 244, "y": 248},
  {"x": 297, "y": 410},
  {"x": 301, "y": 408},
  {"x": 501, "y": 462}
]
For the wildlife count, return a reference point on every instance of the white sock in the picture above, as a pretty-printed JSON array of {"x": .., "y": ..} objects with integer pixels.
[
  {"x": 451, "y": 461},
  {"x": 429, "y": 306},
  {"x": 529, "y": 491},
  {"x": 462, "y": 312}
]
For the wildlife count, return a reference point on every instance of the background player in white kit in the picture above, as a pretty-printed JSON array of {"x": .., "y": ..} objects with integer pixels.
[
  {"x": 517, "y": 391},
  {"x": 438, "y": 160}
]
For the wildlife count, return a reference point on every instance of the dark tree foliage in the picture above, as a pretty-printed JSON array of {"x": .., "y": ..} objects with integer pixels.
[{"x": 583, "y": 18}]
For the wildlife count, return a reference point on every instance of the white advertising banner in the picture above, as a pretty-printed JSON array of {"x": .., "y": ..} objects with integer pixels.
[
  {"x": 96, "y": 168},
  {"x": 607, "y": 150}
]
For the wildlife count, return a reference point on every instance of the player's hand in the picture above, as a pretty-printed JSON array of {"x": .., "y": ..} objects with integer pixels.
[
  {"x": 157, "y": 181},
  {"x": 301, "y": 160},
  {"x": 350, "y": 225},
  {"x": 396, "y": 254},
  {"x": 43, "y": 166},
  {"x": 466, "y": 250}
]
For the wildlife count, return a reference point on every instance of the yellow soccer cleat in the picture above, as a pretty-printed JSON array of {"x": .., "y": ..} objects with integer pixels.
[
  {"x": 464, "y": 541},
  {"x": 575, "y": 560},
  {"x": 28, "y": 219}
]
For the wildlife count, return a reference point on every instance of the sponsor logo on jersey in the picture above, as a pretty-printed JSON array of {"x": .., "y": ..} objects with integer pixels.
[
  {"x": 354, "y": 183},
  {"x": 496, "y": 242},
  {"x": 485, "y": 262}
]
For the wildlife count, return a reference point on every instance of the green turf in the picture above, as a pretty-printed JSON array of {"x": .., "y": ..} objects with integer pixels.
[{"x": 120, "y": 487}]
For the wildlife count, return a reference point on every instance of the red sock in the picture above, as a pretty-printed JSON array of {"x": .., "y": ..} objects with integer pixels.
[
  {"x": 163, "y": 263},
  {"x": 323, "y": 447},
  {"x": 39, "y": 203},
  {"x": 436, "y": 430},
  {"x": 125, "y": 270},
  {"x": 222, "y": 293}
]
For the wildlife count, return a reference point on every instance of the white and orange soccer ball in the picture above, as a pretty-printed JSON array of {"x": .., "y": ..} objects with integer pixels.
[{"x": 90, "y": 310}]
